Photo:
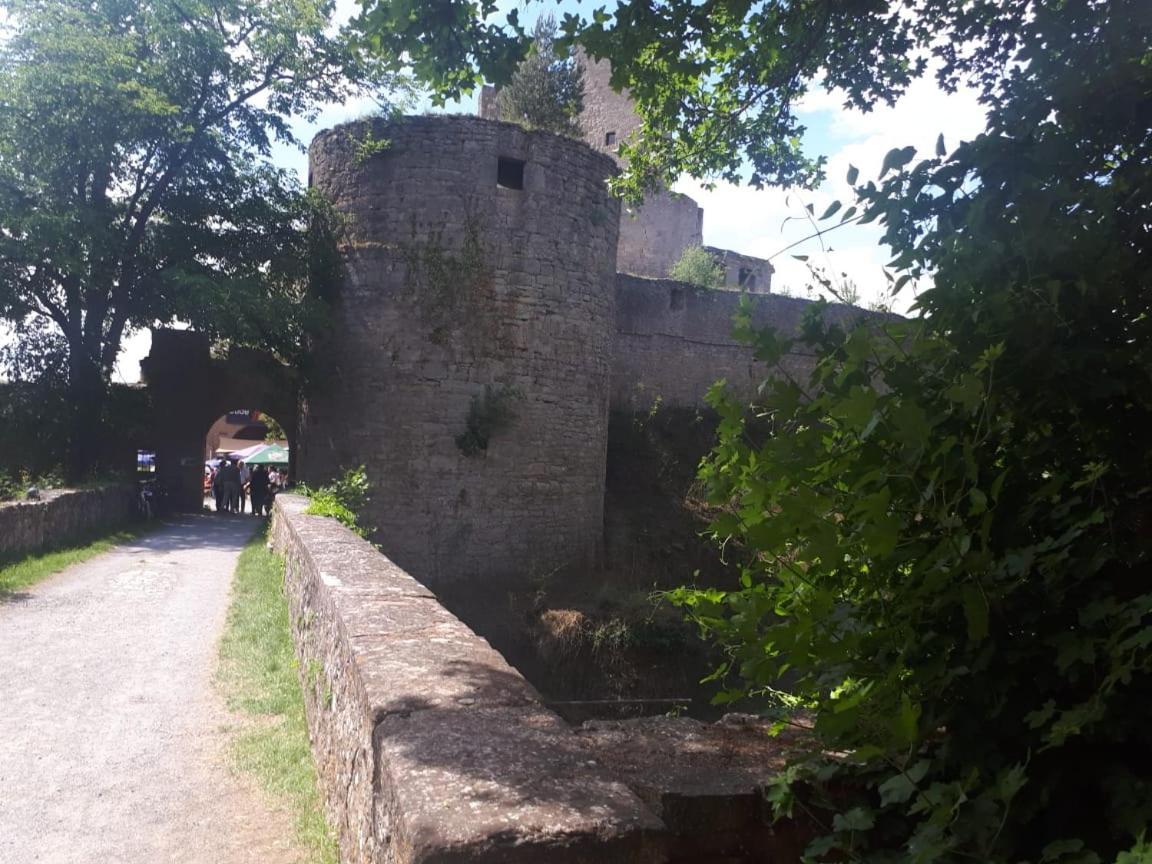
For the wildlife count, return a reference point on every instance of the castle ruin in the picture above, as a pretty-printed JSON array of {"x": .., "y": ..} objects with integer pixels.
[{"x": 655, "y": 234}]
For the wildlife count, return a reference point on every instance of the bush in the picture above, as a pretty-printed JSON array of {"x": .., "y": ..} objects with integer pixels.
[
  {"x": 697, "y": 267},
  {"x": 342, "y": 499}
]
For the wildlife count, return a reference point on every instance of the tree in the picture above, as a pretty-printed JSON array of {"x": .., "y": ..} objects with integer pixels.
[
  {"x": 698, "y": 266},
  {"x": 547, "y": 90},
  {"x": 134, "y": 181},
  {"x": 943, "y": 536}
]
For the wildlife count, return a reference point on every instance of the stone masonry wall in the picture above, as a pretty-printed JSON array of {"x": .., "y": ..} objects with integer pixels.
[
  {"x": 605, "y": 111},
  {"x": 63, "y": 517},
  {"x": 673, "y": 341},
  {"x": 453, "y": 287},
  {"x": 428, "y": 745},
  {"x": 743, "y": 272},
  {"x": 654, "y": 235}
]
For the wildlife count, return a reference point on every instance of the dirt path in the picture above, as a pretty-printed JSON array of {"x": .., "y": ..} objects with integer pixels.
[{"x": 111, "y": 733}]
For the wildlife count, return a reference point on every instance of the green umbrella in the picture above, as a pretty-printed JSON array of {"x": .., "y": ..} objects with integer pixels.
[{"x": 270, "y": 455}]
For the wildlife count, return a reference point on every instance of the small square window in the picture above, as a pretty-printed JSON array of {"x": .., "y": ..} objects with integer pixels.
[
  {"x": 609, "y": 139},
  {"x": 510, "y": 173}
]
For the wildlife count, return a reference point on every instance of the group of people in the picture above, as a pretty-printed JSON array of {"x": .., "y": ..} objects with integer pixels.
[{"x": 234, "y": 483}]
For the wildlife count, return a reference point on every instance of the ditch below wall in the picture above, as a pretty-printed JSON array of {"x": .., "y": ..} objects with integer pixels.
[{"x": 62, "y": 517}]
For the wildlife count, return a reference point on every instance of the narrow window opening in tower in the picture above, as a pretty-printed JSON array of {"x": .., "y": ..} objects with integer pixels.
[
  {"x": 747, "y": 278},
  {"x": 510, "y": 173},
  {"x": 609, "y": 139}
]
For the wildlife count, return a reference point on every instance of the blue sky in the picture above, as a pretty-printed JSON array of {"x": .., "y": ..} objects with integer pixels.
[{"x": 747, "y": 220}]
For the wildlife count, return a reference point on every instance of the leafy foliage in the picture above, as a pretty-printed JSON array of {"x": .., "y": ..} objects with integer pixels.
[
  {"x": 547, "y": 90},
  {"x": 698, "y": 267},
  {"x": 488, "y": 414},
  {"x": 134, "y": 180},
  {"x": 342, "y": 499},
  {"x": 946, "y": 534}
]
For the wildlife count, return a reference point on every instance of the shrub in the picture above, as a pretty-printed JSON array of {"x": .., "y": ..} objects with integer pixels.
[
  {"x": 342, "y": 499},
  {"x": 697, "y": 267}
]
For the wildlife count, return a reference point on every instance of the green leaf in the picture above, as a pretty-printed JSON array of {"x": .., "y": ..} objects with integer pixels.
[
  {"x": 853, "y": 175},
  {"x": 897, "y": 158},
  {"x": 940, "y": 151},
  {"x": 856, "y": 819},
  {"x": 975, "y": 611},
  {"x": 900, "y": 787},
  {"x": 832, "y": 209}
]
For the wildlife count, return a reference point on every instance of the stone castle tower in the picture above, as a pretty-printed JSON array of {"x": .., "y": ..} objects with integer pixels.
[
  {"x": 469, "y": 362},
  {"x": 654, "y": 235}
]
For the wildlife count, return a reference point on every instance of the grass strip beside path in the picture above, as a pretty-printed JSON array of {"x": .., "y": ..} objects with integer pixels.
[
  {"x": 259, "y": 680},
  {"x": 26, "y": 570}
]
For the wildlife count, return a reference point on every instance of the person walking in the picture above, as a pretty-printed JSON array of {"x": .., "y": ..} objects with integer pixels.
[
  {"x": 218, "y": 488},
  {"x": 245, "y": 476},
  {"x": 258, "y": 487},
  {"x": 231, "y": 484}
]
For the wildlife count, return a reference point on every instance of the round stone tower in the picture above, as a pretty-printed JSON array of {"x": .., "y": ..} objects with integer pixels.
[{"x": 467, "y": 365}]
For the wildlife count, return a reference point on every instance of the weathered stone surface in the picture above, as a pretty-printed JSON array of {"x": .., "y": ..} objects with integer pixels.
[
  {"x": 743, "y": 272},
  {"x": 191, "y": 389},
  {"x": 674, "y": 340},
  {"x": 63, "y": 516},
  {"x": 429, "y": 746},
  {"x": 452, "y": 283},
  {"x": 504, "y": 784},
  {"x": 654, "y": 235},
  {"x": 706, "y": 781}
]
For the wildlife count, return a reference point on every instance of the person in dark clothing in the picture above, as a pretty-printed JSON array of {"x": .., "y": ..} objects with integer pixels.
[
  {"x": 218, "y": 489},
  {"x": 229, "y": 477},
  {"x": 258, "y": 489}
]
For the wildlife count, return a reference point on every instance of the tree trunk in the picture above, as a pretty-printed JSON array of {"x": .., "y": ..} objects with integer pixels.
[{"x": 86, "y": 392}]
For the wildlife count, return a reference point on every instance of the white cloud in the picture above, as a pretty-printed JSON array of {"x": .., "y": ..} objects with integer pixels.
[{"x": 754, "y": 222}]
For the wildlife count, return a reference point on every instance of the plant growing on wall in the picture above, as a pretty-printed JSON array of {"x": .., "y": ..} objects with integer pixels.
[
  {"x": 488, "y": 414},
  {"x": 698, "y": 267},
  {"x": 343, "y": 499}
]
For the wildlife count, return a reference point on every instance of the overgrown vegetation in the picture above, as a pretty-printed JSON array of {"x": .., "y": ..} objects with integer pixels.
[
  {"x": 547, "y": 89},
  {"x": 343, "y": 499},
  {"x": 697, "y": 266},
  {"x": 451, "y": 288},
  {"x": 23, "y": 571},
  {"x": 259, "y": 677},
  {"x": 135, "y": 184},
  {"x": 15, "y": 486},
  {"x": 488, "y": 414},
  {"x": 944, "y": 534}
]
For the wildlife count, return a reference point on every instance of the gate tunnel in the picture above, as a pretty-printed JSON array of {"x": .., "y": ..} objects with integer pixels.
[{"x": 190, "y": 389}]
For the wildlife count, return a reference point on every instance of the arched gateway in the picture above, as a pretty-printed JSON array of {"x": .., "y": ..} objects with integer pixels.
[{"x": 190, "y": 389}]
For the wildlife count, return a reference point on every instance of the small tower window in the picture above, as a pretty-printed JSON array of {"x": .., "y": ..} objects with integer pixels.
[
  {"x": 748, "y": 278},
  {"x": 609, "y": 139},
  {"x": 510, "y": 173}
]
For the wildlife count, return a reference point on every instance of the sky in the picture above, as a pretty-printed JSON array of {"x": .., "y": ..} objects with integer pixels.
[{"x": 750, "y": 221}]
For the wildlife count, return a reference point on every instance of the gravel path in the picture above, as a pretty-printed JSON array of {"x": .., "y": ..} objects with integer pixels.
[{"x": 112, "y": 735}]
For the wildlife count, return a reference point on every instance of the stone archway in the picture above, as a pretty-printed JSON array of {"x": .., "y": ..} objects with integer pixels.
[{"x": 190, "y": 389}]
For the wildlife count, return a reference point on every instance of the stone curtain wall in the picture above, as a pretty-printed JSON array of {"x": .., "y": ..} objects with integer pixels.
[
  {"x": 429, "y": 746},
  {"x": 673, "y": 341},
  {"x": 454, "y": 286},
  {"x": 63, "y": 517},
  {"x": 654, "y": 235},
  {"x": 757, "y": 271}
]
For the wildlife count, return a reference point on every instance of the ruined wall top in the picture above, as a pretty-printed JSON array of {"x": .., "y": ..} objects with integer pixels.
[{"x": 608, "y": 118}]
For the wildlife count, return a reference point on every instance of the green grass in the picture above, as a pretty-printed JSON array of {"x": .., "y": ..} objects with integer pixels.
[
  {"x": 23, "y": 571},
  {"x": 258, "y": 675}
]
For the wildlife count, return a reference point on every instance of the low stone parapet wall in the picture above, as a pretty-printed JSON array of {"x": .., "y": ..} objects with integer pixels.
[
  {"x": 429, "y": 746},
  {"x": 62, "y": 517}
]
